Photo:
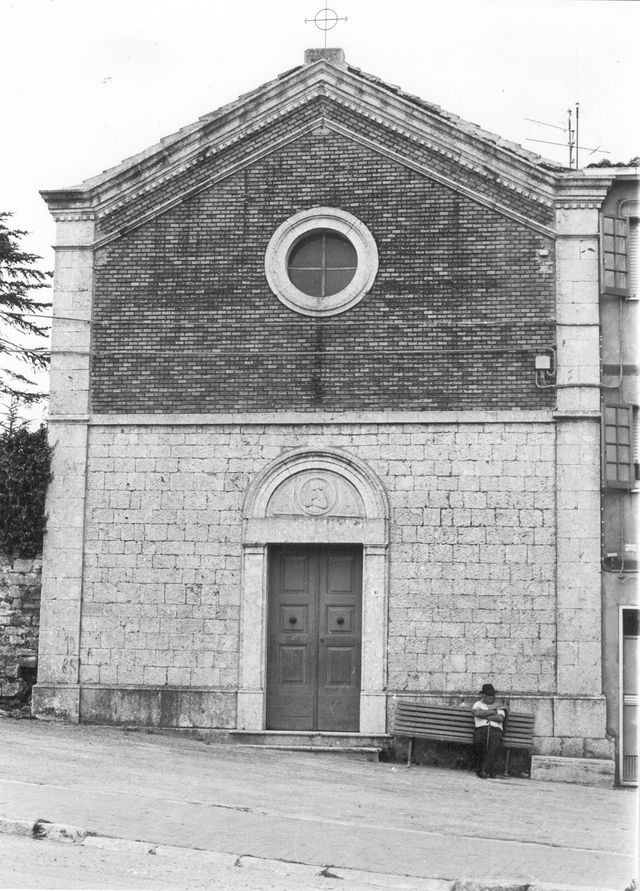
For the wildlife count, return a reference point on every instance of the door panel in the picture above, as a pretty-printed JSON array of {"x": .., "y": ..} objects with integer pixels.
[
  {"x": 340, "y": 574},
  {"x": 313, "y": 674},
  {"x": 339, "y": 666},
  {"x": 339, "y": 656},
  {"x": 629, "y": 697},
  {"x": 292, "y": 635},
  {"x": 294, "y": 574},
  {"x": 292, "y": 664}
]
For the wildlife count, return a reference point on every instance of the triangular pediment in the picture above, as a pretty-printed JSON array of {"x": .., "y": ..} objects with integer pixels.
[{"x": 329, "y": 98}]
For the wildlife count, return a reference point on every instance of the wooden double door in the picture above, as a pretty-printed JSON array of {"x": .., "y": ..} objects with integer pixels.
[{"x": 315, "y": 609}]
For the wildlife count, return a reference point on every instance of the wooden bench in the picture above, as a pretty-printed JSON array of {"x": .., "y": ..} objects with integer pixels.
[{"x": 446, "y": 724}]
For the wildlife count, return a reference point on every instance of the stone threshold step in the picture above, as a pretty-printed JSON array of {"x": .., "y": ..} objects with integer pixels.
[
  {"x": 368, "y": 753},
  {"x": 311, "y": 738},
  {"x": 329, "y": 735}
]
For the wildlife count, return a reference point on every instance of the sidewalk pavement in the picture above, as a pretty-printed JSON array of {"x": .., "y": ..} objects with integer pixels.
[{"x": 324, "y": 810}]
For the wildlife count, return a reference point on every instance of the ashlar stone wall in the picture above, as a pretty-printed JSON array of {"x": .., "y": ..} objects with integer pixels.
[{"x": 471, "y": 557}]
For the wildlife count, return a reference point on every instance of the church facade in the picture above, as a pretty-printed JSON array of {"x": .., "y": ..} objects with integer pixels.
[{"x": 326, "y": 408}]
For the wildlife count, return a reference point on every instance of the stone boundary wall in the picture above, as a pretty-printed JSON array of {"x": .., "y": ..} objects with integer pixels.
[{"x": 19, "y": 618}]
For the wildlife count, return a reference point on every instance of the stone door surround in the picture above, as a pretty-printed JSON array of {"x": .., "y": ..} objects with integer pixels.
[{"x": 311, "y": 496}]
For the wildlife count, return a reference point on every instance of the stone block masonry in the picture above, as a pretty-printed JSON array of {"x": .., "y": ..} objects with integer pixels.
[
  {"x": 19, "y": 619},
  {"x": 471, "y": 558}
]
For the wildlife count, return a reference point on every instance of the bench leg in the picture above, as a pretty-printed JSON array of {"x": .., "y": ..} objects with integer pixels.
[
  {"x": 506, "y": 763},
  {"x": 410, "y": 752}
]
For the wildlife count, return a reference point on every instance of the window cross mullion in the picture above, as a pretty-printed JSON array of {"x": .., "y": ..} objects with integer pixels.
[{"x": 323, "y": 264}]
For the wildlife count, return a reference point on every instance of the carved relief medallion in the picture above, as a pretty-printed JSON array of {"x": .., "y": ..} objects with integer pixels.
[{"x": 316, "y": 494}]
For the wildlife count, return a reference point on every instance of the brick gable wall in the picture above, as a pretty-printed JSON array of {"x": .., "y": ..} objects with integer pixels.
[{"x": 185, "y": 320}]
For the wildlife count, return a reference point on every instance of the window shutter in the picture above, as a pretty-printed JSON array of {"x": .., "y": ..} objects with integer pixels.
[
  {"x": 632, "y": 250},
  {"x": 613, "y": 250},
  {"x": 617, "y": 447},
  {"x": 635, "y": 442}
]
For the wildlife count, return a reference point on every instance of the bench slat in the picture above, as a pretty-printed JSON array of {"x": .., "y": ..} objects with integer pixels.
[
  {"x": 450, "y": 724},
  {"x": 438, "y": 719}
]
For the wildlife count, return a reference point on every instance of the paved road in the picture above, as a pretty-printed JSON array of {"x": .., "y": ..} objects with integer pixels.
[
  {"x": 317, "y": 809},
  {"x": 125, "y": 866}
]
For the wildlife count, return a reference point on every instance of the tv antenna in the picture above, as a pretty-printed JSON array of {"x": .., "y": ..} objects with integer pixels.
[
  {"x": 325, "y": 20},
  {"x": 572, "y": 130}
]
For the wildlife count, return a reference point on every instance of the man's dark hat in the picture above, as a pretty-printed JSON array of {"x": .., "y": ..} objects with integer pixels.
[{"x": 488, "y": 690}]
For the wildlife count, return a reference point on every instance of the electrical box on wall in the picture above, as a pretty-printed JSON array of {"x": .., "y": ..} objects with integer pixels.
[{"x": 543, "y": 363}]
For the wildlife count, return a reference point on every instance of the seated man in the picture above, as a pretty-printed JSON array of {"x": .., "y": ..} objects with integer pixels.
[{"x": 489, "y": 717}]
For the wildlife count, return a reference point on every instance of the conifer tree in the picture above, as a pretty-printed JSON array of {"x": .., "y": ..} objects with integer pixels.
[
  {"x": 22, "y": 352},
  {"x": 25, "y": 472}
]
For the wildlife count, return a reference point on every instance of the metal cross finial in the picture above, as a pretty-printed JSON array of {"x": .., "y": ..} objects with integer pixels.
[{"x": 326, "y": 19}]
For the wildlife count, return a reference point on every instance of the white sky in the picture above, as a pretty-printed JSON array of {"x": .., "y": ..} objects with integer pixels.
[{"x": 86, "y": 83}]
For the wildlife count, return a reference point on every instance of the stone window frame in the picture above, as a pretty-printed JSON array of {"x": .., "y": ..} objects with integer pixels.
[
  {"x": 304, "y": 223},
  {"x": 614, "y": 235},
  {"x": 617, "y": 444}
]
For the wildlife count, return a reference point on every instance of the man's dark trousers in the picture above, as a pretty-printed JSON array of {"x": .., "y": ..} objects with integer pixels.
[{"x": 487, "y": 744}]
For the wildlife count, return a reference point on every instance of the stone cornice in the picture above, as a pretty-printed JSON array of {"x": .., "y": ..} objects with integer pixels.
[
  {"x": 454, "y": 139},
  {"x": 326, "y": 122},
  {"x": 61, "y": 248},
  {"x": 71, "y": 214},
  {"x": 579, "y": 190},
  {"x": 219, "y": 176},
  {"x": 576, "y": 415},
  {"x": 460, "y": 188},
  {"x": 437, "y": 132},
  {"x": 611, "y": 173},
  {"x": 317, "y": 418}
]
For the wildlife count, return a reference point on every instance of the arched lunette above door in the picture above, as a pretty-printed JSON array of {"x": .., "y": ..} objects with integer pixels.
[{"x": 286, "y": 487}]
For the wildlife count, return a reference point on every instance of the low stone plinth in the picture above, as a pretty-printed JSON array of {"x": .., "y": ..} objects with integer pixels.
[{"x": 585, "y": 771}]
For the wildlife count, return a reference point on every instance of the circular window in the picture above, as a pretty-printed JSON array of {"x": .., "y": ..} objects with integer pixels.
[{"x": 321, "y": 261}]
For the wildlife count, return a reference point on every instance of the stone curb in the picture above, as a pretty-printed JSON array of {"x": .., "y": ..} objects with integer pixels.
[
  {"x": 471, "y": 885},
  {"x": 41, "y": 829}
]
